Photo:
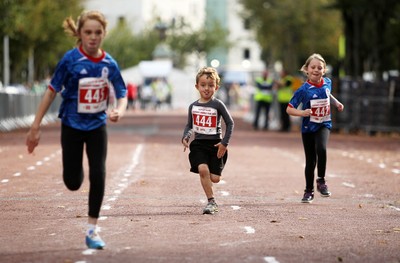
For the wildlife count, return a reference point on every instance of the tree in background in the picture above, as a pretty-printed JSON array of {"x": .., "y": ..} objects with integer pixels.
[
  {"x": 129, "y": 49},
  {"x": 184, "y": 41},
  {"x": 37, "y": 39},
  {"x": 372, "y": 35},
  {"x": 289, "y": 31}
]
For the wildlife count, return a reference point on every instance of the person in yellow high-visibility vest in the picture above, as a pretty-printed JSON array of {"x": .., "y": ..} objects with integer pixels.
[
  {"x": 284, "y": 94},
  {"x": 263, "y": 98}
]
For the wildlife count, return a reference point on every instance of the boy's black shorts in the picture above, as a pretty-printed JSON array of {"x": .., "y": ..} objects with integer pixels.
[{"x": 204, "y": 152}]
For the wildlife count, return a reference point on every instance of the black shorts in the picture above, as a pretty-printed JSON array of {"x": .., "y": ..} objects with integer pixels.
[{"x": 204, "y": 152}]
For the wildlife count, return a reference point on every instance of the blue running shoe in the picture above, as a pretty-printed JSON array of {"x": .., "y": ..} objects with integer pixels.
[{"x": 94, "y": 241}]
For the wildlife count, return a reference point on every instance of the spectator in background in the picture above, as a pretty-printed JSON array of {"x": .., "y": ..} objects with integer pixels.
[
  {"x": 263, "y": 98},
  {"x": 132, "y": 95},
  {"x": 284, "y": 94}
]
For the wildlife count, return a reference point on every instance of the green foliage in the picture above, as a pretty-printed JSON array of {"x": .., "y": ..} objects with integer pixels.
[
  {"x": 35, "y": 27},
  {"x": 290, "y": 31},
  {"x": 371, "y": 30},
  {"x": 184, "y": 40},
  {"x": 128, "y": 49}
]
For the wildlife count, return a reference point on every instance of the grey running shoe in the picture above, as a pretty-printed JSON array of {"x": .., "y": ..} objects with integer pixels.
[
  {"x": 322, "y": 188},
  {"x": 210, "y": 208},
  {"x": 308, "y": 197}
]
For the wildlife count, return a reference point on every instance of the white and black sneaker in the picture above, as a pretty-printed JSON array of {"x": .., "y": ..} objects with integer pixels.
[{"x": 210, "y": 208}]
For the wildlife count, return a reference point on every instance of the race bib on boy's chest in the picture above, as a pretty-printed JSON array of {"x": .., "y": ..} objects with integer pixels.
[
  {"x": 92, "y": 95},
  {"x": 321, "y": 110},
  {"x": 204, "y": 120}
]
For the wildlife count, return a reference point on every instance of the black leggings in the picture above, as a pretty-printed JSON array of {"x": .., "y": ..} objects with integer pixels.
[
  {"x": 315, "y": 151},
  {"x": 72, "y": 142}
]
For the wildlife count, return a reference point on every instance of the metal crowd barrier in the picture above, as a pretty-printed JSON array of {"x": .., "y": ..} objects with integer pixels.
[
  {"x": 18, "y": 110},
  {"x": 369, "y": 107}
]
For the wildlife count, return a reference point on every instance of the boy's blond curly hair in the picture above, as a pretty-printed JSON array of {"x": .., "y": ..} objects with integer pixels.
[{"x": 210, "y": 72}]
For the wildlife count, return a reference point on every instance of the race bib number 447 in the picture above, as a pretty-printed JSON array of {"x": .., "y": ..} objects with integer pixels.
[
  {"x": 321, "y": 110},
  {"x": 204, "y": 120},
  {"x": 93, "y": 94}
]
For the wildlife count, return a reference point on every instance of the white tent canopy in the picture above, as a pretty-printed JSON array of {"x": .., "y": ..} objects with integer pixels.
[{"x": 155, "y": 69}]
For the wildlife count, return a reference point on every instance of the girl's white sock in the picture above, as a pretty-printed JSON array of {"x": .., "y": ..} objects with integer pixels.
[{"x": 91, "y": 228}]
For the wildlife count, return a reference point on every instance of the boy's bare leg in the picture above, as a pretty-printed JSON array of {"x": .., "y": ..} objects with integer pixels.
[{"x": 205, "y": 180}]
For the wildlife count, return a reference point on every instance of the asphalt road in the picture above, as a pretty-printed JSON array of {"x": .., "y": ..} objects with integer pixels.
[{"x": 152, "y": 211}]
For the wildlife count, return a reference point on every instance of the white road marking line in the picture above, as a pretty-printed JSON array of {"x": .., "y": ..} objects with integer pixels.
[
  {"x": 88, "y": 251},
  {"x": 333, "y": 175},
  {"x": 31, "y": 168},
  {"x": 5, "y": 181},
  {"x": 396, "y": 171},
  {"x": 270, "y": 260},
  {"x": 17, "y": 174},
  {"x": 394, "y": 207},
  {"x": 382, "y": 165},
  {"x": 348, "y": 185},
  {"x": 39, "y": 163},
  {"x": 235, "y": 207},
  {"x": 224, "y": 193},
  {"x": 106, "y": 207},
  {"x": 249, "y": 230}
]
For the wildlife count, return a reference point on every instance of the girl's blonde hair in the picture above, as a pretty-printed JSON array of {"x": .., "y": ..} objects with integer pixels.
[
  {"x": 210, "y": 72},
  {"x": 316, "y": 56},
  {"x": 73, "y": 29}
]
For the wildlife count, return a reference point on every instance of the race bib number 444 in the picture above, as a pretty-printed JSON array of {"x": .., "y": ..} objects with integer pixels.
[
  {"x": 321, "y": 110},
  {"x": 93, "y": 94},
  {"x": 204, "y": 120}
]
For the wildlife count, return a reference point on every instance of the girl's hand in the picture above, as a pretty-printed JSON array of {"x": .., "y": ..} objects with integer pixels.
[
  {"x": 114, "y": 115},
  {"x": 32, "y": 139},
  {"x": 221, "y": 150},
  {"x": 306, "y": 113},
  {"x": 340, "y": 106}
]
